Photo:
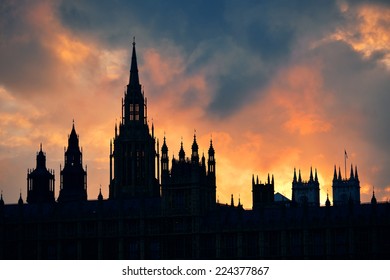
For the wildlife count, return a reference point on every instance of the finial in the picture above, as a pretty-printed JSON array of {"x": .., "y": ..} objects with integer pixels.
[
  {"x": 41, "y": 147},
  {"x": 100, "y": 196},
  {"x": 133, "y": 40},
  {"x": 373, "y": 198}
]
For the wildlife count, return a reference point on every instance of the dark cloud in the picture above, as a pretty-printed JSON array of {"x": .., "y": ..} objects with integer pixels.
[
  {"x": 264, "y": 31},
  {"x": 360, "y": 110},
  {"x": 21, "y": 51},
  {"x": 361, "y": 85},
  {"x": 115, "y": 22}
]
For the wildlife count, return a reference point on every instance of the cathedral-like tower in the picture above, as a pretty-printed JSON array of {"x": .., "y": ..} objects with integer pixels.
[
  {"x": 132, "y": 161},
  {"x": 262, "y": 194},
  {"x": 346, "y": 190},
  {"x": 306, "y": 192},
  {"x": 73, "y": 177},
  {"x": 40, "y": 181}
]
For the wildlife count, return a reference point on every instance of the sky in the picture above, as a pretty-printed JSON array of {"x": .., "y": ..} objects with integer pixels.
[{"x": 276, "y": 85}]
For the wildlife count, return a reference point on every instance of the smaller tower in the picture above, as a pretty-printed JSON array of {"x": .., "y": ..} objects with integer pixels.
[
  {"x": 195, "y": 153},
  {"x": 262, "y": 194},
  {"x": 327, "y": 202},
  {"x": 164, "y": 163},
  {"x": 211, "y": 165},
  {"x": 373, "y": 198},
  {"x": 20, "y": 200},
  {"x": 1, "y": 201},
  {"x": 40, "y": 181},
  {"x": 100, "y": 195},
  {"x": 346, "y": 190},
  {"x": 73, "y": 177},
  {"x": 306, "y": 192}
]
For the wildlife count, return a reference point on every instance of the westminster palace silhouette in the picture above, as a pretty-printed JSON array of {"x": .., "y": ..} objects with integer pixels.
[{"x": 166, "y": 208}]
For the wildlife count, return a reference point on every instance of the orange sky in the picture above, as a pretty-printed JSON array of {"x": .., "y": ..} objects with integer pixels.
[{"x": 266, "y": 111}]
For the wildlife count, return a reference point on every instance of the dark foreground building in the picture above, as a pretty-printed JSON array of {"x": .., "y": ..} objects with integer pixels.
[{"x": 166, "y": 209}]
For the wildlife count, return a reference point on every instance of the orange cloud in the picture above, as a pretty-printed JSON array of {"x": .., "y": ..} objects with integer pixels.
[{"x": 371, "y": 33}]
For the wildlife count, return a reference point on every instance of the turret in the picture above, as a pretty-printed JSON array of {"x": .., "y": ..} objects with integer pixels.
[
  {"x": 211, "y": 160},
  {"x": 73, "y": 177},
  {"x": 40, "y": 181},
  {"x": 1, "y": 200},
  {"x": 295, "y": 175},
  {"x": 100, "y": 196},
  {"x": 373, "y": 198},
  {"x": 335, "y": 174},
  {"x": 195, "y": 154},
  {"x": 356, "y": 174},
  {"x": 20, "y": 201},
  {"x": 311, "y": 174},
  {"x": 164, "y": 162},
  {"x": 182, "y": 154},
  {"x": 327, "y": 202},
  {"x": 351, "y": 177}
]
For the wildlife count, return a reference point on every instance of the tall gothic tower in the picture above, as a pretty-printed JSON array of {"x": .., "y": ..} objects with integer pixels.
[
  {"x": 73, "y": 177},
  {"x": 132, "y": 162},
  {"x": 40, "y": 181}
]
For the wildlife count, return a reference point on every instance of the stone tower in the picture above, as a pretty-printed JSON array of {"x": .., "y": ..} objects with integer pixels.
[
  {"x": 73, "y": 185},
  {"x": 40, "y": 181},
  {"x": 346, "y": 190},
  {"x": 133, "y": 157},
  {"x": 262, "y": 193},
  {"x": 306, "y": 192}
]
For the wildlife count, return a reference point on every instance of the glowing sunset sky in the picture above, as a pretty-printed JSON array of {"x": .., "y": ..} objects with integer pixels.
[{"x": 276, "y": 84}]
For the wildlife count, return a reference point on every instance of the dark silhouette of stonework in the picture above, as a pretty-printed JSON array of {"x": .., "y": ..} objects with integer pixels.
[
  {"x": 166, "y": 209},
  {"x": 73, "y": 185},
  {"x": 346, "y": 190},
  {"x": 40, "y": 181},
  {"x": 190, "y": 186},
  {"x": 262, "y": 193},
  {"x": 306, "y": 192},
  {"x": 134, "y": 154}
]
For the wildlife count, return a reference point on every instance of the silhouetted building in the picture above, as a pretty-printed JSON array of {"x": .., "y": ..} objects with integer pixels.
[
  {"x": 182, "y": 220},
  {"x": 189, "y": 187},
  {"x": 306, "y": 192},
  {"x": 134, "y": 154},
  {"x": 262, "y": 193},
  {"x": 73, "y": 186},
  {"x": 346, "y": 190},
  {"x": 40, "y": 181}
]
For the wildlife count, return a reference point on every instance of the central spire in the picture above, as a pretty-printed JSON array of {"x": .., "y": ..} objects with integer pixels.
[{"x": 134, "y": 79}]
